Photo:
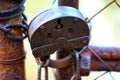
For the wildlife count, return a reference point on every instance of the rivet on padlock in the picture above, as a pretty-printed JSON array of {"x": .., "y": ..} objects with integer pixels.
[{"x": 58, "y": 27}]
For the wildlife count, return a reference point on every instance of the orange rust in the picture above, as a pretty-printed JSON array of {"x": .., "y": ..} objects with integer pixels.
[
  {"x": 60, "y": 63},
  {"x": 64, "y": 73},
  {"x": 10, "y": 49},
  {"x": 72, "y": 3},
  {"x": 107, "y": 53},
  {"x": 110, "y": 56},
  {"x": 97, "y": 65}
]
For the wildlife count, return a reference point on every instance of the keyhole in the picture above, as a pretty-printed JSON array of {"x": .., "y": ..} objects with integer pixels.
[
  {"x": 49, "y": 35},
  {"x": 59, "y": 25}
]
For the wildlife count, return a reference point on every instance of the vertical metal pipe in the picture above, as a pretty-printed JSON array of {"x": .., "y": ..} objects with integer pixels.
[
  {"x": 65, "y": 73},
  {"x": 11, "y": 49},
  {"x": 72, "y": 3}
]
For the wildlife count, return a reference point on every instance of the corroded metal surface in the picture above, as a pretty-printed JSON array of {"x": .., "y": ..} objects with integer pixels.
[
  {"x": 56, "y": 28},
  {"x": 10, "y": 49},
  {"x": 72, "y": 3},
  {"x": 66, "y": 72},
  {"x": 107, "y": 53},
  {"x": 96, "y": 65}
]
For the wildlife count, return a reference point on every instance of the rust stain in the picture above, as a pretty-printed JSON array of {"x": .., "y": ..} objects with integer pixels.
[{"x": 10, "y": 49}]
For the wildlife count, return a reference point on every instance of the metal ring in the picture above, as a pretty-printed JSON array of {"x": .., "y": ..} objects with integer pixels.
[
  {"x": 24, "y": 16},
  {"x": 18, "y": 25},
  {"x": 61, "y": 63},
  {"x": 117, "y": 3},
  {"x": 13, "y": 61},
  {"x": 3, "y": 28}
]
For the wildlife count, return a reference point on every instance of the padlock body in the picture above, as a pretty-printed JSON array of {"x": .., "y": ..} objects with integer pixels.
[{"x": 59, "y": 27}]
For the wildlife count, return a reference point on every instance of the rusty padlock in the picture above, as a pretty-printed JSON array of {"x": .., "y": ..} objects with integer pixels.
[{"x": 56, "y": 28}]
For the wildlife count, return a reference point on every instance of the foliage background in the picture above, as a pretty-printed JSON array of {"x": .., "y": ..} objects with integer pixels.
[{"x": 105, "y": 30}]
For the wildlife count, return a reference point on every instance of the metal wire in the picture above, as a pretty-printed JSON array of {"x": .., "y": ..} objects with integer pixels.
[
  {"x": 99, "y": 58},
  {"x": 88, "y": 20},
  {"x": 108, "y": 66},
  {"x": 17, "y": 25},
  {"x": 53, "y": 2}
]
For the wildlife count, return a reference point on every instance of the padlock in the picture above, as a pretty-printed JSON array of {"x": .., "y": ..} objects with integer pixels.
[{"x": 60, "y": 27}]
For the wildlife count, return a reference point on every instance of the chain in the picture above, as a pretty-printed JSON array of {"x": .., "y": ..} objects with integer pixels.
[
  {"x": 43, "y": 64},
  {"x": 12, "y": 13},
  {"x": 9, "y": 35},
  {"x": 76, "y": 64},
  {"x": 8, "y": 31}
]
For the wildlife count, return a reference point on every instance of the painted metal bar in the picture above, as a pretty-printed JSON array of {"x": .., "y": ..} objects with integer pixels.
[{"x": 11, "y": 50}]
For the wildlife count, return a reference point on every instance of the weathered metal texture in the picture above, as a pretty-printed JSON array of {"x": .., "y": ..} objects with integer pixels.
[
  {"x": 10, "y": 49},
  {"x": 109, "y": 54},
  {"x": 72, "y": 3},
  {"x": 97, "y": 65},
  {"x": 56, "y": 28},
  {"x": 106, "y": 53},
  {"x": 66, "y": 72}
]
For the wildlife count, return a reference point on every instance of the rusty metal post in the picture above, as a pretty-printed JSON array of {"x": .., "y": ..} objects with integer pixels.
[
  {"x": 11, "y": 50},
  {"x": 65, "y": 73},
  {"x": 72, "y": 3}
]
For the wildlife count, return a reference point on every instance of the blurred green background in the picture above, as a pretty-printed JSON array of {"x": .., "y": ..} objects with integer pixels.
[{"x": 105, "y": 30}]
